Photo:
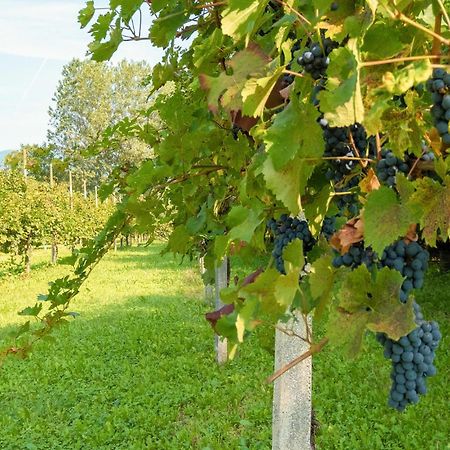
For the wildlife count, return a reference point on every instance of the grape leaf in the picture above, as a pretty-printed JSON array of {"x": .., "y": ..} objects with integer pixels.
[
  {"x": 373, "y": 304},
  {"x": 286, "y": 137},
  {"x": 239, "y": 19},
  {"x": 103, "y": 51},
  {"x": 377, "y": 33},
  {"x": 288, "y": 183},
  {"x": 342, "y": 101},
  {"x": 385, "y": 219},
  {"x": 404, "y": 79},
  {"x": 165, "y": 27},
  {"x": 321, "y": 283},
  {"x": 256, "y": 92},
  {"x": 293, "y": 256},
  {"x": 432, "y": 199},
  {"x": 351, "y": 233},
  {"x": 243, "y": 222},
  {"x": 85, "y": 15},
  {"x": 226, "y": 89},
  {"x": 316, "y": 209}
]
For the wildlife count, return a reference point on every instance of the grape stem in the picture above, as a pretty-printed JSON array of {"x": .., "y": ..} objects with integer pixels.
[
  {"x": 352, "y": 143},
  {"x": 396, "y": 60},
  {"x": 400, "y": 16},
  {"x": 291, "y": 333},
  {"x": 210, "y": 5},
  {"x": 296, "y": 74},
  {"x": 315, "y": 348}
]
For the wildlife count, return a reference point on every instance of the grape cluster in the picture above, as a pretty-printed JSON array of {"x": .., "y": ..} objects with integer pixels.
[
  {"x": 288, "y": 78},
  {"x": 343, "y": 141},
  {"x": 412, "y": 361},
  {"x": 411, "y": 260},
  {"x": 285, "y": 230},
  {"x": 439, "y": 86},
  {"x": 428, "y": 156},
  {"x": 328, "y": 227},
  {"x": 315, "y": 59},
  {"x": 388, "y": 166},
  {"x": 348, "y": 202},
  {"x": 356, "y": 255}
]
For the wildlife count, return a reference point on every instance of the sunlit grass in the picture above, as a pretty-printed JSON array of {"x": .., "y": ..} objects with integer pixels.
[{"x": 136, "y": 370}]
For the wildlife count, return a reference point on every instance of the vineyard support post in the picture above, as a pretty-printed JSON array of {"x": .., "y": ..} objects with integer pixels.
[
  {"x": 221, "y": 277},
  {"x": 291, "y": 419},
  {"x": 209, "y": 288}
]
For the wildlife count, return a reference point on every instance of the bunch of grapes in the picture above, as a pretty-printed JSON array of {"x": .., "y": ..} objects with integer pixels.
[
  {"x": 388, "y": 166},
  {"x": 356, "y": 255},
  {"x": 348, "y": 202},
  {"x": 411, "y": 260},
  {"x": 315, "y": 59},
  {"x": 343, "y": 142},
  {"x": 439, "y": 86},
  {"x": 285, "y": 230},
  {"x": 328, "y": 227},
  {"x": 412, "y": 361}
]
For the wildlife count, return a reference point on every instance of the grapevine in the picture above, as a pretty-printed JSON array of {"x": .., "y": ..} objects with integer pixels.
[{"x": 246, "y": 140}]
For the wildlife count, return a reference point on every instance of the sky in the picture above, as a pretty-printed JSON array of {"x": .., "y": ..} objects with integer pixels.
[{"x": 37, "y": 37}]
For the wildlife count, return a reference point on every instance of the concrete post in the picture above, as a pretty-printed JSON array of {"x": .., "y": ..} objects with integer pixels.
[
  {"x": 291, "y": 418},
  {"x": 221, "y": 275},
  {"x": 209, "y": 288}
]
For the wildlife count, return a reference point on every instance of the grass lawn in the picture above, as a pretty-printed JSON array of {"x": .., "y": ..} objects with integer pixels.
[{"x": 136, "y": 371}]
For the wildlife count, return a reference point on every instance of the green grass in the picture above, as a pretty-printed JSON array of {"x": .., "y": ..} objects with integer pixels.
[{"x": 136, "y": 371}]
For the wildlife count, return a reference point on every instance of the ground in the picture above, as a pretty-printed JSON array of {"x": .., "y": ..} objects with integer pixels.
[{"x": 136, "y": 371}]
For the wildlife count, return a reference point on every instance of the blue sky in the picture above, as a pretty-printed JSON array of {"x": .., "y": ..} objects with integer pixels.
[{"x": 37, "y": 37}]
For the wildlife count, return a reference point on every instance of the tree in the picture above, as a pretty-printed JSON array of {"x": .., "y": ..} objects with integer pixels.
[
  {"x": 286, "y": 120},
  {"x": 38, "y": 161},
  {"x": 90, "y": 98}
]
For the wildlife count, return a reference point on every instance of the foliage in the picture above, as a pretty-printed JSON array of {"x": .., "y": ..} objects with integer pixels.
[
  {"x": 33, "y": 214},
  {"x": 231, "y": 148}
]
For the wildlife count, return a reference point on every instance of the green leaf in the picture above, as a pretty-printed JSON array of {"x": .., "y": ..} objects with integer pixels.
[
  {"x": 32, "y": 310},
  {"x": 243, "y": 222},
  {"x": 99, "y": 29},
  {"x": 413, "y": 74},
  {"x": 287, "y": 136},
  {"x": 165, "y": 27},
  {"x": 293, "y": 256},
  {"x": 404, "y": 187},
  {"x": 285, "y": 183},
  {"x": 317, "y": 208},
  {"x": 226, "y": 89},
  {"x": 286, "y": 286},
  {"x": 432, "y": 200},
  {"x": 385, "y": 219},
  {"x": 321, "y": 282},
  {"x": 342, "y": 101},
  {"x": 239, "y": 19},
  {"x": 370, "y": 304},
  {"x": 263, "y": 291},
  {"x": 178, "y": 240},
  {"x": 104, "y": 51},
  {"x": 85, "y": 15},
  {"x": 256, "y": 92},
  {"x": 377, "y": 33},
  {"x": 127, "y": 8}
]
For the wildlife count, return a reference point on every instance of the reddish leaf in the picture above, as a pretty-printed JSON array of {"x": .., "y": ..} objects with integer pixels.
[{"x": 351, "y": 233}]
